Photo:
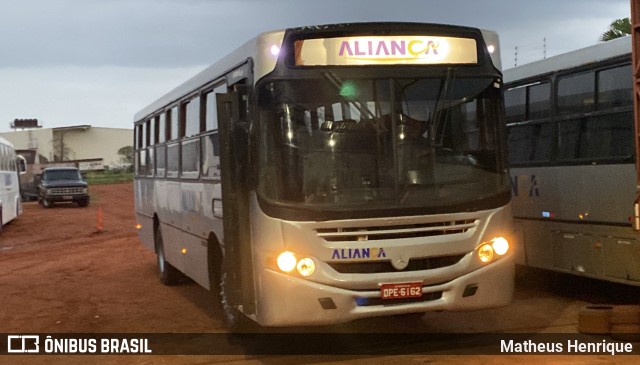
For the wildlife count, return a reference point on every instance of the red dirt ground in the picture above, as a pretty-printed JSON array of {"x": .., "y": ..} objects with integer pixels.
[{"x": 58, "y": 273}]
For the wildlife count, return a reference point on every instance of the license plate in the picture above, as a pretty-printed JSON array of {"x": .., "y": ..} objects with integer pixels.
[
  {"x": 401, "y": 290},
  {"x": 67, "y": 197}
]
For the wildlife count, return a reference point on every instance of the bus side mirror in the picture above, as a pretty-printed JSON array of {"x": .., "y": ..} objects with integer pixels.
[{"x": 21, "y": 164}]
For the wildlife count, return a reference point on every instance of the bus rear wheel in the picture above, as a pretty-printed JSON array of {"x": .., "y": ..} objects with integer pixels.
[{"x": 168, "y": 274}]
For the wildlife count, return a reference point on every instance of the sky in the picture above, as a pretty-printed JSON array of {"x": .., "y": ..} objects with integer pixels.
[{"x": 98, "y": 62}]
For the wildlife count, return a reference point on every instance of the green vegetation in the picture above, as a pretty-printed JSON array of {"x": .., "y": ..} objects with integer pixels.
[
  {"x": 108, "y": 177},
  {"x": 618, "y": 28}
]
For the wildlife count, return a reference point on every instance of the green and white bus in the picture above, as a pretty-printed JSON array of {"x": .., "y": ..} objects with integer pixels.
[{"x": 323, "y": 174}]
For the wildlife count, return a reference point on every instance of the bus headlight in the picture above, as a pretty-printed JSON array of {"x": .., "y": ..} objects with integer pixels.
[
  {"x": 500, "y": 245},
  {"x": 306, "y": 266},
  {"x": 286, "y": 261},
  {"x": 485, "y": 253},
  {"x": 497, "y": 247}
]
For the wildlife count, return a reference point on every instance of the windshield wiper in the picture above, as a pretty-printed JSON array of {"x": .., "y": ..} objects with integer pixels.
[
  {"x": 338, "y": 83},
  {"x": 437, "y": 116}
]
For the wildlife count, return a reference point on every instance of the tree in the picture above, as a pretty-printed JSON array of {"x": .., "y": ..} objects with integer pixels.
[
  {"x": 126, "y": 155},
  {"x": 618, "y": 28}
]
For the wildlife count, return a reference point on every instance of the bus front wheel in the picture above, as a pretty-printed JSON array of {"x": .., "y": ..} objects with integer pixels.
[{"x": 236, "y": 322}]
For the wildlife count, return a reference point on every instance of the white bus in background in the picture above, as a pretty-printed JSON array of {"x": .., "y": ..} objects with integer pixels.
[
  {"x": 573, "y": 163},
  {"x": 10, "y": 201},
  {"x": 322, "y": 174}
]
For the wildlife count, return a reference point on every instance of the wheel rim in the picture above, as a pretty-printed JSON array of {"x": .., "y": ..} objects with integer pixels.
[{"x": 160, "y": 244}]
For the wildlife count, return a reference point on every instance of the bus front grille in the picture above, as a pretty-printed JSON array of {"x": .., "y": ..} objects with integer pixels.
[
  {"x": 376, "y": 267},
  {"x": 396, "y": 231}
]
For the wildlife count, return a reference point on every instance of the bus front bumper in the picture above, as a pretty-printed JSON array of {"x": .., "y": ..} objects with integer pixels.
[{"x": 292, "y": 301}]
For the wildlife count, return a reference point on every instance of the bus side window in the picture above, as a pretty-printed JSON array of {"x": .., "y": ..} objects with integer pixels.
[
  {"x": 211, "y": 156},
  {"x": 21, "y": 164}
]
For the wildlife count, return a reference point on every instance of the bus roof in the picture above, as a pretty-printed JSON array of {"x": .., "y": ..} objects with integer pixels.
[
  {"x": 260, "y": 50},
  {"x": 257, "y": 48},
  {"x": 598, "y": 52}
]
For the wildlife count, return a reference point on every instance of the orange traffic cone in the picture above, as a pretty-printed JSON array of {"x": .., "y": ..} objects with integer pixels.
[{"x": 99, "y": 220}]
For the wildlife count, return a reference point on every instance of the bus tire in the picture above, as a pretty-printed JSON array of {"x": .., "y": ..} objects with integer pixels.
[
  {"x": 168, "y": 274},
  {"x": 236, "y": 322}
]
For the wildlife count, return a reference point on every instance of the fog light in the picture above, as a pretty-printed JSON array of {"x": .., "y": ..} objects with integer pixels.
[
  {"x": 306, "y": 266},
  {"x": 286, "y": 261},
  {"x": 500, "y": 245},
  {"x": 485, "y": 253}
]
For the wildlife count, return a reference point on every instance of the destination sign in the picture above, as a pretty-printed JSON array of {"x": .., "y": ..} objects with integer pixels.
[{"x": 385, "y": 50}]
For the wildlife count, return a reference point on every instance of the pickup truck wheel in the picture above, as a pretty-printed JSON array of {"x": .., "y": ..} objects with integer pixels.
[
  {"x": 47, "y": 203},
  {"x": 83, "y": 203}
]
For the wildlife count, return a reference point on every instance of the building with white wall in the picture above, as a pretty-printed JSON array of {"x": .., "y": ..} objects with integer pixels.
[{"x": 81, "y": 142}]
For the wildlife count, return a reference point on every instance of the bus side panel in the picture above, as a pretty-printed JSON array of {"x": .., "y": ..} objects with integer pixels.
[
  {"x": 143, "y": 199},
  {"x": 9, "y": 192},
  {"x": 576, "y": 219},
  {"x": 185, "y": 214},
  {"x": 585, "y": 193}
]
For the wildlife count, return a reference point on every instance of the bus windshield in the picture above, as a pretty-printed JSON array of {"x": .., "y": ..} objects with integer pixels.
[{"x": 380, "y": 143}]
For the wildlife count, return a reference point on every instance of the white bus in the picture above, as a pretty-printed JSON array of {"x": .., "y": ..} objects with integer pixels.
[
  {"x": 10, "y": 201},
  {"x": 322, "y": 174},
  {"x": 573, "y": 163}
]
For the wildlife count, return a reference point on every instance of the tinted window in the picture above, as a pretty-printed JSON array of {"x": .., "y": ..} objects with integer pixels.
[
  {"x": 539, "y": 101},
  {"x": 190, "y": 158},
  {"x": 162, "y": 128},
  {"x": 173, "y": 159},
  {"x": 161, "y": 160},
  {"x": 576, "y": 93},
  {"x": 210, "y": 156},
  {"x": 142, "y": 162},
  {"x": 193, "y": 117},
  {"x": 174, "y": 123},
  {"x": 514, "y": 102},
  {"x": 615, "y": 87},
  {"x": 520, "y": 143},
  {"x": 211, "y": 122},
  {"x": 150, "y": 162},
  {"x": 607, "y": 136},
  {"x": 568, "y": 133}
]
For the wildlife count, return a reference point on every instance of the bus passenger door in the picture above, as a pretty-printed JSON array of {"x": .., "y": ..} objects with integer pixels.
[{"x": 234, "y": 158}]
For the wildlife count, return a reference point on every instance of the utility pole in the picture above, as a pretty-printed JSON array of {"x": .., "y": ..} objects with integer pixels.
[{"x": 516, "y": 57}]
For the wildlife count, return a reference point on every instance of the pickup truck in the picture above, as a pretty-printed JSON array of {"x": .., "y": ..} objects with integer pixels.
[{"x": 62, "y": 184}]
